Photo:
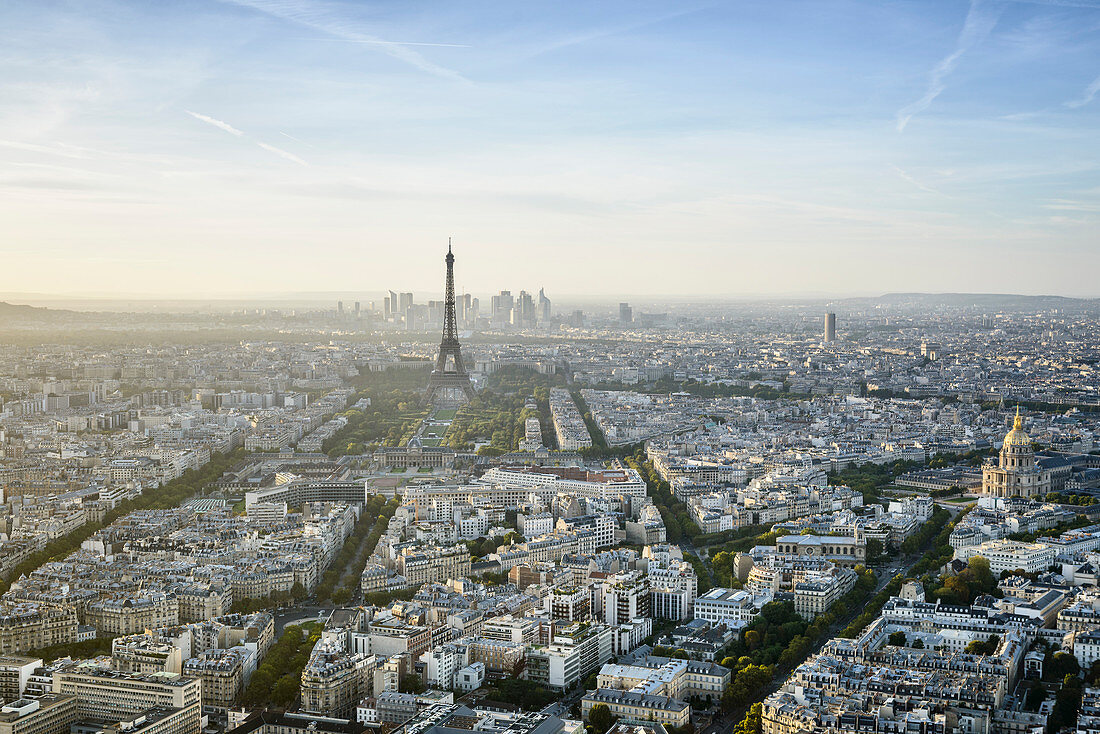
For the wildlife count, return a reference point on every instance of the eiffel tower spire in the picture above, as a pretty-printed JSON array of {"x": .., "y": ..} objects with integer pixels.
[{"x": 449, "y": 386}]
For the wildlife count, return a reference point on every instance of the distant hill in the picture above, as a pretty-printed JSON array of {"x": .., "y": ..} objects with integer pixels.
[
  {"x": 13, "y": 309},
  {"x": 9, "y": 311},
  {"x": 989, "y": 300}
]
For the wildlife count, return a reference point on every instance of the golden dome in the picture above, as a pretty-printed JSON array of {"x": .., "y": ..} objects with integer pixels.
[{"x": 1017, "y": 437}]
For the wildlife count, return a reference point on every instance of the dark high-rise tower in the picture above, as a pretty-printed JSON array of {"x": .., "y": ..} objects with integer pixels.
[
  {"x": 830, "y": 327},
  {"x": 450, "y": 383}
]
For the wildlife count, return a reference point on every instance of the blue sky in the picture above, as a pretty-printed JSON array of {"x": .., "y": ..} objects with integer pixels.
[{"x": 228, "y": 148}]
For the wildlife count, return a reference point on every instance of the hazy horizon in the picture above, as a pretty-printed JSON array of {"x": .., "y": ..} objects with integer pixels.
[
  {"x": 562, "y": 303},
  {"x": 223, "y": 149}
]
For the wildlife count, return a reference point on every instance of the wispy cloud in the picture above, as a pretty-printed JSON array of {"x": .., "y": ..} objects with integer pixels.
[
  {"x": 240, "y": 134},
  {"x": 1094, "y": 4},
  {"x": 216, "y": 123},
  {"x": 596, "y": 34},
  {"x": 280, "y": 152},
  {"x": 980, "y": 20},
  {"x": 1087, "y": 96},
  {"x": 296, "y": 140},
  {"x": 58, "y": 150},
  {"x": 1070, "y": 205},
  {"x": 319, "y": 18},
  {"x": 377, "y": 42},
  {"x": 920, "y": 185}
]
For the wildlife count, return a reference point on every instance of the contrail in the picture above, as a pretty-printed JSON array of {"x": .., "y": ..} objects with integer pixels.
[
  {"x": 379, "y": 42},
  {"x": 979, "y": 23},
  {"x": 216, "y": 123},
  {"x": 281, "y": 152}
]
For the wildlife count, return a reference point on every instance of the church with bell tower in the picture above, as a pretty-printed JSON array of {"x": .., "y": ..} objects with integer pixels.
[{"x": 1017, "y": 472}]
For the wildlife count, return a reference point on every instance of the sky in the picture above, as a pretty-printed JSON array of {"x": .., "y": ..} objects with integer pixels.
[{"x": 736, "y": 149}]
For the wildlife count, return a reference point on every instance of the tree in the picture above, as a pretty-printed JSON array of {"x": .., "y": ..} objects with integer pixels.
[
  {"x": 411, "y": 683},
  {"x": 918, "y": 644},
  {"x": 874, "y": 549},
  {"x": 1035, "y": 697},
  {"x": 1062, "y": 664},
  {"x": 979, "y": 568},
  {"x": 286, "y": 690},
  {"x": 753, "y": 721},
  {"x": 1067, "y": 702},
  {"x": 600, "y": 718},
  {"x": 897, "y": 639},
  {"x": 1093, "y": 673},
  {"x": 983, "y": 647}
]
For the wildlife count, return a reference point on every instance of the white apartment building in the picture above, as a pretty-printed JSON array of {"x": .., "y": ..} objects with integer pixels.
[
  {"x": 536, "y": 524},
  {"x": 1086, "y": 648},
  {"x": 605, "y": 484},
  {"x": 602, "y": 526},
  {"x": 625, "y": 596},
  {"x": 575, "y": 651},
  {"x": 732, "y": 607},
  {"x": 442, "y": 663},
  {"x": 568, "y": 423},
  {"x": 817, "y": 592},
  {"x": 673, "y": 583},
  {"x": 1008, "y": 555}
]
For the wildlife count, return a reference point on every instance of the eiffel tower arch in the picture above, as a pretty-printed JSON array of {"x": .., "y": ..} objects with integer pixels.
[{"x": 449, "y": 386}]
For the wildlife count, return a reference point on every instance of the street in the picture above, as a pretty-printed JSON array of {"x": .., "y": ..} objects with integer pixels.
[{"x": 295, "y": 614}]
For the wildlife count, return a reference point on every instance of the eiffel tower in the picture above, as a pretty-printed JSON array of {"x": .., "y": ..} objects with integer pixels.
[{"x": 449, "y": 385}]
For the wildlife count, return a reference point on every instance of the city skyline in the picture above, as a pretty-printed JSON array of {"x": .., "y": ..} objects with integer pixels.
[
  {"x": 230, "y": 149},
  {"x": 630, "y": 367}
]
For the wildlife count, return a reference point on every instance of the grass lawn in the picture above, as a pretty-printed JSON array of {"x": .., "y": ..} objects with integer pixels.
[
  {"x": 397, "y": 470},
  {"x": 445, "y": 414}
]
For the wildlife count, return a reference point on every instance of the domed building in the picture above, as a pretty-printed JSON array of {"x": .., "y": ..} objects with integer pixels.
[{"x": 1017, "y": 472}]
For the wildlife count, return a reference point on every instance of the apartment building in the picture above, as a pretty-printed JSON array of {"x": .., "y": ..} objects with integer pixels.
[
  {"x": 673, "y": 584},
  {"x": 48, "y": 714},
  {"x": 568, "y": 423},
  {"x": 1008, "y": 555},
  {"x": 29, "y": 626},
  {"x": 132, "y": 614},
  {"x": 108, "y": 694},
  {"x": 332, "y": 681},
  {"x": 632, "y": 707},
  {"x": 501, "y": 659},
  {"x": 434, "y": 564},
  {"x": 626, "y": 637},
  {"x": 574, "y": 652},
  {"x": 661, "y": 676},
  {"x": 568, "y": 603},
  {"x": 625, "y": 596},
  {"x": 535, "y": 524},
  {"x": 145, "y": 654},
  {"x": 392, "y": 636},
  {"x": 15, "y": 671},
  {"x": 508, "y": 628},
  {"x": 733, "y": 607},
  {"x": 603, "y": 484},
  {"x": 441, "y": 663},
  {"x": 200, "y": 602},
  {"x": 815, "y": 594},
  {"x": 223, "y": 673}
]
